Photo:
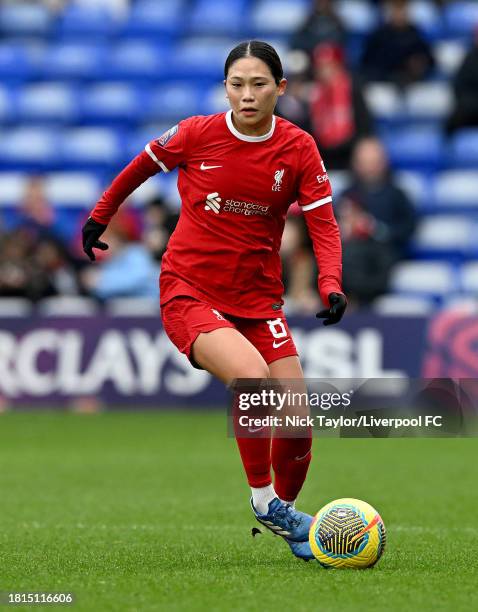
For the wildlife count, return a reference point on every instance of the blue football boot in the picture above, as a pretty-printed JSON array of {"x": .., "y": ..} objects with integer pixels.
[
  {"x": 301, "y": 550},
  {"x": 284, "y": 520}
]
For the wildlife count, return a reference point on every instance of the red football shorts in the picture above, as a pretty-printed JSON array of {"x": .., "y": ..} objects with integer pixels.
[{"x": 184, "y": 318}]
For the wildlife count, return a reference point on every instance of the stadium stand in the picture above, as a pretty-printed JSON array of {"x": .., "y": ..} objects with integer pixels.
[{"x": 84, "y": 88}]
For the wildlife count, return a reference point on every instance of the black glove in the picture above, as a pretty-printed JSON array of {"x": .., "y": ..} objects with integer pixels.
[
  {"x": 92, "y": 230},
  {"x": 332, "y": 315}
]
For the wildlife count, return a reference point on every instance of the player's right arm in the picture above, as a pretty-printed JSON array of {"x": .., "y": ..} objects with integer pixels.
[{"x": 164, "y": 154}]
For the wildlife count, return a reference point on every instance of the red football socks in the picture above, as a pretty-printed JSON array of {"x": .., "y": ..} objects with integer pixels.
[{"x": 290, "y": 462}]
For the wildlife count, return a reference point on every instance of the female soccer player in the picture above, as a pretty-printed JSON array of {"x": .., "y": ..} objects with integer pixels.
[{"x": 220, "y": 287}]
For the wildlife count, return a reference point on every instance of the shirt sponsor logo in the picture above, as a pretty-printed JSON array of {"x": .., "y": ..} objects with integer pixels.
[
  {"x": 166, "y": 137},
  {"x": 278, "y": 175},
  {"x": 214, "y": 203},
  {"x": 322, "y": 178}
]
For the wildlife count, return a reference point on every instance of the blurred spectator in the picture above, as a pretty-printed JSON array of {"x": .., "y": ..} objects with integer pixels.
[
  {"x": 294, "y": 105},
  {"x": 128, "y": 269},
  {"x": 376, "y": 221},
  {"x": 396, "y": 50},
  {"x": 338, "y": 113},
  {"x": 322, "y": 26},
  {"x": 465, "y": 84},
  {"x": 298, "y": 266},
  {"x": 33, "y": 267},
  {"x": 159, "y": 224},
  {"x": 35, "y": 213}
]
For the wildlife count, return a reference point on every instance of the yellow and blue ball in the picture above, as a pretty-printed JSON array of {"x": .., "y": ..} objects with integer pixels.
[{"x": 347, "y": 533}]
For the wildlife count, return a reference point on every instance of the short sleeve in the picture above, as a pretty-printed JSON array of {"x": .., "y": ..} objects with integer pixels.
[
  {"x": 170, "y": 150},
  {"x": 314, "y": 187}
]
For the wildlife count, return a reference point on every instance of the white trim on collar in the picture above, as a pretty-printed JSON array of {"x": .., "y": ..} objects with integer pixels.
[{"x": 238, "y": 134}]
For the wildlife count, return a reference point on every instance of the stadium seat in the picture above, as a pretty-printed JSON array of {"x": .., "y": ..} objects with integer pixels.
[
  {"x": 429, "y": 100},
  {"x": 47, "y": 103},
  {"x": 132, "y": 307},
  {"x": 156, "y": 19},
  {"x": 200, "y": 58},
  {"x": 415, "y": 148},
  {"x": 73, "y": 189},
  {"x": 25, "y": 19},
  {"x": 217, "y": 17},
  {"x": 135, "y": 60},
  {"x": 12, "y": 187},
  {"x": 19, "y": 62},
  {"x": 469, "y": 277},
  {"x": 215, "y": 99},
  {"x": 427, "y": 17},
  {"x": 463, "y": 150},
  {"x": 384, "y": 101},
  {"x": 358, "y": 16},
  {"x": 279, "y": 16},
  {"x": 444, "y": 236},
  {"x": 417, "y": 187},
  {"x": 15, "y": 307},
  {"x": 74, "y": 60},
  {"x": 67, "y": 306},
  {"x": 449, "y": 55},
  {"x": 403, "y": 305},
  {"x": 7, "y": 105},
  {"x": 107, "y": 103},
  {"x": 174, "y": 101},
  {"x": 461, "y": 18},
  {"x": 456, "y": 189},
  {"x": 86, "y": 21},
  {"x": 92, "y": 148},
  {"x": 433, "y": 278},
  {"x": 28, "y": 148}
]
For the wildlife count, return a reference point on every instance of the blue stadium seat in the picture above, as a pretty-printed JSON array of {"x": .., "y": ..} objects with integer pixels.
[
  {"x": 429, "y": 101},
  {"x": 415, "y": 147},
  {"x": 25, "y": 19},
  {"x": 7, "y": 106},
  {"x": 461, "y": 18},
  {"x": 173, "y": 101},
  {"x": 449, "y": 55},
  {"x": 153, "y": 18},
  {"x": 87, "y": 21},
  {"x": 417, "y": 187},
  {"x": 13, "y": 187},
  {"x": 73, "y": 189},
  {"x": 444, "y": 237},
  {"x": 385, "y": 102},
  {"x": 200, "y": 58},
  {"x": 136, "y": 60},
  {"x": 427, "y": 17},
  {"x": 393, "y": 304},
  {"x": 432, "y": 278},
  {"x": 463, "y": 150},
  {"x": 456, "y": 190},
  {"x": 469, "y": 277},
  {"x": 28, "y": 148},
  {"x": 217, "y": 17},
  {"x": 74, "y": 60},
  {"x": 92, "y": 149},
  {"x": 53, "y": 103},
  {"x": 19, "y": 62},
  {"x": 107, "y": 103},
  {"x": 279, "y": 16},
  {"x": 358, "y": 16}
]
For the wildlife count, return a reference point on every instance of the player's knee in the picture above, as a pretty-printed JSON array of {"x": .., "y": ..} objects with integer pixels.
[{"x": 253, "y": 370}]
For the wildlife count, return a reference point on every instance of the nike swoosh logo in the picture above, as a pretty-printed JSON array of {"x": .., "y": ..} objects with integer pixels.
[
  {"x": 278, "y": 344},
  {"x": 204, "y": 167},
  {"x": 251, "y": 430}
]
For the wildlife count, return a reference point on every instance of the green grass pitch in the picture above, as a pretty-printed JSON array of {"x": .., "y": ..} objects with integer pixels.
[{"x": 149, "y": 511}]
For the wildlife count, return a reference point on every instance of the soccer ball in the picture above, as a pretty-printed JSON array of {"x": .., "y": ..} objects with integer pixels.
[{"x": 347, "y": 533}]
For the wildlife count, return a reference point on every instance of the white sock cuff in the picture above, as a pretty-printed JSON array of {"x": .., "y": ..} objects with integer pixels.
[{"x": 261, "y": 497}]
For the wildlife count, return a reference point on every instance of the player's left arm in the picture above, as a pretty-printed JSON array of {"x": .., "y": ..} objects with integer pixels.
[{"x": 315, "y": 198}]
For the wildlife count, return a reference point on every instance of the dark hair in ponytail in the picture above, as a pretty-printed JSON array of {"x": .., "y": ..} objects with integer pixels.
[{"x": 261, "y": 50}]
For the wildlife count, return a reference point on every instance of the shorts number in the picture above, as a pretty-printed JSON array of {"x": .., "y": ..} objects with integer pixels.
[{"x": 277, "y": 328}]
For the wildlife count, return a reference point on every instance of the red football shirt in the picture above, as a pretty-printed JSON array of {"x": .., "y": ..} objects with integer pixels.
[{"x": 235, "y": 192}]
